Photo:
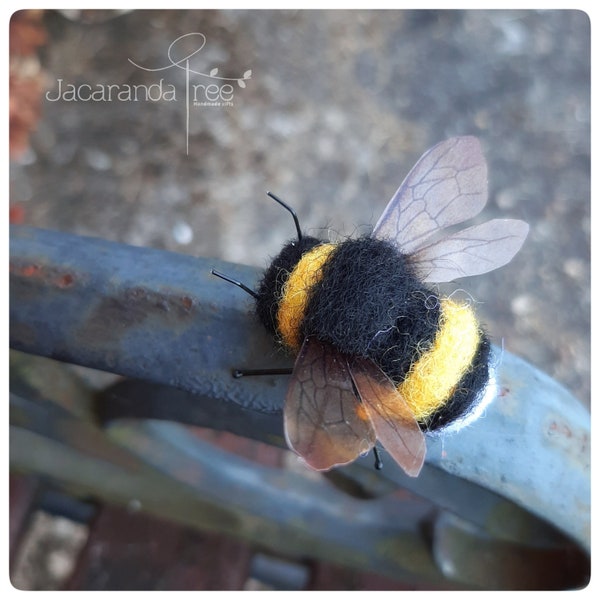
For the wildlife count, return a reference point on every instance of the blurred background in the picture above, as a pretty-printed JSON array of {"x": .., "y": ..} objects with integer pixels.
[{"x": 327, "y": 109}]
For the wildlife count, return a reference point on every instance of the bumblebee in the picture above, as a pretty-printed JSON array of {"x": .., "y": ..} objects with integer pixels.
[{"x": 379, "y": 354}]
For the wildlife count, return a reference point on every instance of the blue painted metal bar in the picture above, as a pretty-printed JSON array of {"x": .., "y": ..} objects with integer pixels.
[
  {"x": 161, "y": 317},
  {"x": 139, "y": 312}
]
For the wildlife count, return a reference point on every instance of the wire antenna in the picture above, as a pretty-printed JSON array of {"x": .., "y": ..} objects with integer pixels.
[
  {"x": 291, "y": 211},
  {"x": 378, "y": 462},
  {"x": 235, "y": 282},
  {"x": 237, "y": 373}
]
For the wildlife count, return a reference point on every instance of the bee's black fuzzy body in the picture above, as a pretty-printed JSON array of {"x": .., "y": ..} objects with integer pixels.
[
  {"x": 368, "y": 302},
  {"x": 380, "y": 357}
]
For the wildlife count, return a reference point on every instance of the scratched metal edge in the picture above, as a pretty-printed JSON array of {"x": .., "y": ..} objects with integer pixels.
[{"x": 162, "y": 317}]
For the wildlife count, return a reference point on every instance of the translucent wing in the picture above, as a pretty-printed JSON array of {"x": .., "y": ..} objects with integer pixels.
[
  {"x": 448, "y": 185},
  {"x": 323, "y": 419},
  {"x": 394, "y": 423},
  {"x": 472, "y": 251}
]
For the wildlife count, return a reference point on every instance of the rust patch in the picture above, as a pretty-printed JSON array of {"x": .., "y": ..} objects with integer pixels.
[
  {"x": 574, "y": 441},
  {"x": 555, "y": 428},
  {"x": 46, "y": 275},
  {"x": 114, "y": 316},
  {"x": 65, "y": 281},
  {"x": 30, "y": 271}
]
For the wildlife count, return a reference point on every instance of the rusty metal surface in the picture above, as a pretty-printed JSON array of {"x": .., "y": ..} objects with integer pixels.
[
  {"x": 139, "y": 312},
  {"x": 163, "y": 318}
]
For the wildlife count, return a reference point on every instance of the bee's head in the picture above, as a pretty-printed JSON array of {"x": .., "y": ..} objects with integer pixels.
[{"x": 270, "y": 289}]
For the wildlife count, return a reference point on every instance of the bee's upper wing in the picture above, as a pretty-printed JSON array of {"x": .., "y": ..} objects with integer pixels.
[
  {"x": 472, "y": 251},
  {"x": 394, "y": 423},
  {"x": 323, "y": 419},
  {"x": 448, "y": 185}
]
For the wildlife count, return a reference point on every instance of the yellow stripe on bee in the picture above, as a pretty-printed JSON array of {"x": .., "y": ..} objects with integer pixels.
[
  {"x": 434, "y": 376},
  {"x": 294, "y": 298}
]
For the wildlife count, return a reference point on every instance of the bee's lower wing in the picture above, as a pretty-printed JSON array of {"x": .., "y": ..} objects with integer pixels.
[
  {"x": 448, "y": 185},
  {"x": 323, "y": 419},
  {"x": 394, "y": 423},
  {"x": 472, "y": 251}
]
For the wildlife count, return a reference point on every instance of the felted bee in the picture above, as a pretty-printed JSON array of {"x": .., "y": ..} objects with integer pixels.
[{"x": 381, "y": 356}]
